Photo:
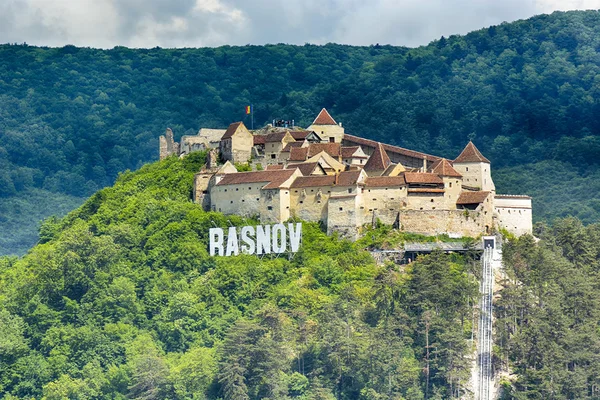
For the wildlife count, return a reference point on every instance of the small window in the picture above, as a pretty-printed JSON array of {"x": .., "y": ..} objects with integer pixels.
[
  {"x": 432, "y": 200},
  {"x": 467, "y": 168},
  {"x": 318, "y": 201},
  {"x": 231, "y": 201},
  {"x": 237, "y": 189},
  {"x": 350, "y": 190},
  {"x": 374, "y": 199},
  {"x": 257, "y": 199},
  {"x": 341, "y": 209},
  {"x": 273, "y": 156},
  {"x": 295, "y": 191},
  {"x": 270, "y": 208},
  {"x": 312, "y": 190},
  {"x": 287, "y": 208},
  {"x": 331, "y": 139},
  {"x": 249, "y": 187},
  {"x": 362, "y": 208},
  {"x": 421, "y": 208},
  {"x": 370, "y": 209},
  {"x": 301, "y": 202},
  {"x": 225, "y": 189},
  {"x": 450, "y": 184},
  {"x": 243, "y": 201}
]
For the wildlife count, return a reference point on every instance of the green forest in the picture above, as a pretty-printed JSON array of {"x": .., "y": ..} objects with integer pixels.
[
  {"x": 526, "y": 92},
  {"x": 121, "y": 300}
]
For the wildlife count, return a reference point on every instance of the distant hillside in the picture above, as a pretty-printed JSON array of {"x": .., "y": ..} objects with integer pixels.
[{"x": 72, "y": 118}]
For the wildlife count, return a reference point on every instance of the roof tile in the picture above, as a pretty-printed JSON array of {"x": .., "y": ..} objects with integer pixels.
[
  {"x": 324, "y": 118},
  {"x": 379, "y": 160},
  {"x": 471, "y": 154},
  {"x": 472, "y": 197}
]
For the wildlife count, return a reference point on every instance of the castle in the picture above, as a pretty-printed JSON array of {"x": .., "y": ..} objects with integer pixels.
[{"x": 344, "y": 181}]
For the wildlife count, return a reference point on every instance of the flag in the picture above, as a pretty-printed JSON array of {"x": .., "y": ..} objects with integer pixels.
[{"x": 248, "y": 110}]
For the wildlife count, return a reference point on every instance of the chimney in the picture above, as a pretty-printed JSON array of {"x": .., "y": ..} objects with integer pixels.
[{"x": 340, "y": 124}]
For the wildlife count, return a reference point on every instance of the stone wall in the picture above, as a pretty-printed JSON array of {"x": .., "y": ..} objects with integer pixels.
[
  {"x": 167, "y": 145},
  {"x": 435, "y": 222},
  {"x": 514, "y": 213}
]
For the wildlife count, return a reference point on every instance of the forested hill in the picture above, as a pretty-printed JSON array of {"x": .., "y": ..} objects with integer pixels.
[
  {"x": 121, "y": 300},
  {"x": 72, "y": 118}
]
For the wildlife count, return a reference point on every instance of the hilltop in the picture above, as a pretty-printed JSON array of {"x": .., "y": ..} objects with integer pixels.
[
  {"x": 121, "y": 300},
  {"x": 73, "y": 118}
]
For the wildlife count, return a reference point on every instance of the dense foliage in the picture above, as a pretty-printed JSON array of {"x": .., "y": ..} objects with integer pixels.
[
  {"x": 121, "y": 300},
  {"x": 548, "y": 314},
  {"x": 72, "y": 118}
]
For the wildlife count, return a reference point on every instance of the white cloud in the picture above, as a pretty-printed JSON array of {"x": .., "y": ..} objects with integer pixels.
[{"x": 193, "y": 23}]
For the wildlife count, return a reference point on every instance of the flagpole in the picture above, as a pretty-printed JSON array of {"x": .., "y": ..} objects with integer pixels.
[{"x": 252, "y": 115}]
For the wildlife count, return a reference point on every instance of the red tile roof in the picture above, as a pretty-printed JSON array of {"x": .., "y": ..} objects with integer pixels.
[
  {"x": 385, "y": 181},
  {"x": 472, "y": 197},
  {"x": 300, "y": 135},
  {"x": 313, "y": 181},
  {"x": 259, "y": 139},
  {"x": 443, "y": 168},
  {"x": 379, "y": 160},
  {"x": 324, "y": 119},
  {"x": 305, "y": 168},
  {"x": 471, "y": 154},
  {"x": 274, "y": 167},
  {"x": 275, "y": 136},
  {"x": 348, "y": 152},
  {"x": 273, "y": 178},
  {"x": 298, "y": 153},
  {"x": 231, "y": 130},
  {"x": 347, "y": 178},
  {"x": 389, "y": 148},
  {"x": 422, "y": 177},
  {"x": 333, "y": 149},
  {"x": 289, "y": 146}
]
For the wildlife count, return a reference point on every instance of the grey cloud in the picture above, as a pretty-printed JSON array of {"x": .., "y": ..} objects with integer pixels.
[{"x": 186, "y": 23}]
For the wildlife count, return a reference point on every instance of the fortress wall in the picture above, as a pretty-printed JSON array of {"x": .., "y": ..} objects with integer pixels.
[
  {"x": 435, "y": 222},
  {"x": 514, "y": 213},
  {"x": 343, "y": 216},
  {"x": 311, "y": 208}
]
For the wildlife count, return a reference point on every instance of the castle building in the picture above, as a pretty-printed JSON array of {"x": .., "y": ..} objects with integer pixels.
[{"x": 345, "y": 182}]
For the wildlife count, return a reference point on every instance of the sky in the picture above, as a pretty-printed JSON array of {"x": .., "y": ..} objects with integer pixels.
[{"x": 200, "y": 23}]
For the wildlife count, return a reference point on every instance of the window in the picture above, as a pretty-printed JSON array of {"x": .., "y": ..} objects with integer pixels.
[
  {"x": 231, "y": 201},
  {"x": 236, "y": 189},
  {"x": 318, "y": 201},
  {"x": 467, "y": 168},
  {"x": 243, "y": 201},
  {"x": 249, "y": 187},
  {"x": 270, "y": 208},
  {"x": 374, "y": 199},
  {"x": 450, "y": 184},
  {"x": 341, "y": 209},
  {"x": 361, "y": 161},
  {"x": 432, "y": 200},
  {"x": 273, "y": 156},
  {"x": 331, "y": 139},
  {"x": 350, "y": 190},
  {"x": 225, "y": 189}
]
